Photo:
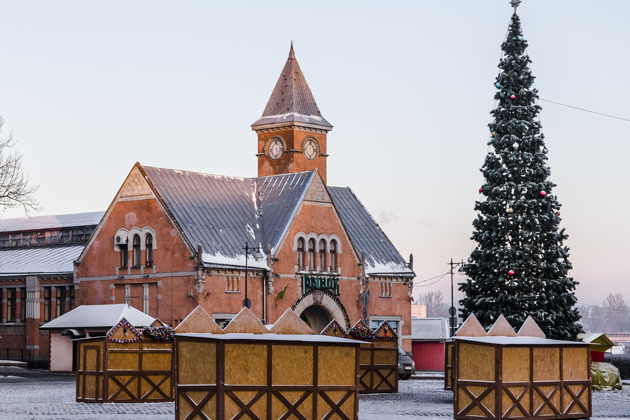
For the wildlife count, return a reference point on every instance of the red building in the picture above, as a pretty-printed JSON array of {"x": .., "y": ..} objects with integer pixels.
[{"x": 36, "y": 279}]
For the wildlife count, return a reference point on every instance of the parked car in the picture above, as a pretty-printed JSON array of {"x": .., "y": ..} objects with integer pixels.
[{"x": 406, "y": 366}]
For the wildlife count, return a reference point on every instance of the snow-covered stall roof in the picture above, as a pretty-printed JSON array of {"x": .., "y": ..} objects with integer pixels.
[
  {"x": 424, "y": 329},
  {"x": 99, "y": 316},
  {"x": 381, "y": 257},
  {"x": 518, "y": 341},
  {"x": 306, "y": 338},
  {"x": 51, "y": 222},
  {"x": 38, "y": 260}
]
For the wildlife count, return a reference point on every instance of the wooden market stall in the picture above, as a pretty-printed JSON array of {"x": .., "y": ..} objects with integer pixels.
[
  {"x": 127, "y": 365},
  {"x": 378, "y": 359},
  {"x": 251, "y": 372},
  {"x": 520, "y": 376}
]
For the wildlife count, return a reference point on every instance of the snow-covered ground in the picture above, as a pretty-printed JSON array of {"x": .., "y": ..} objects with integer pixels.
[{"x": 26, "y": 395}]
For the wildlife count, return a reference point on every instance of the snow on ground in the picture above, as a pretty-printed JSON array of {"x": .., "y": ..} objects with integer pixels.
[{"x": 25, "y": 395}]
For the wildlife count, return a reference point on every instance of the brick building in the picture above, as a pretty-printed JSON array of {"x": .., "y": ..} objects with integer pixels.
[
  {"x": 36, "y": 278},
  {"x": 173, "y": 239}
]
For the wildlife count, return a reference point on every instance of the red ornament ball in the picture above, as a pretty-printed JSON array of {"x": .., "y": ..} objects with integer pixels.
[
  {"x": 513, "y": 97},
  {"x": 558, "y": 213},
  {"x": 543, "y": 193},
  {"x": 511, "y": 272},
  {"x": 480, "y": 189}
]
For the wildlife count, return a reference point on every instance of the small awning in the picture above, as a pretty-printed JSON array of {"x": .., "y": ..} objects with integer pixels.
[{"x": 74, "y": 333}]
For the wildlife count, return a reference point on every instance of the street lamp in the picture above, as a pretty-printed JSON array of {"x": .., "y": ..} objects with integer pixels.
[
  {"x": 452, "y": 311},
  {"x": 254, "y": 252}
]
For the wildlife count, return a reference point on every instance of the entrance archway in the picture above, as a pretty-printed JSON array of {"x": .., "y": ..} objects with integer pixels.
[
  {"x": 319, "y": 306},
  {"x": 316, "y": 317}
]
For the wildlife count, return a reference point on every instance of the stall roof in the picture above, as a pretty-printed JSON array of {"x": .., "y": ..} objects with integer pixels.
[
  {"x": 99, "y": 316},
  {"x": 518, "y": 341},
  {"x": 598, "y": 341},
  {"x": 429, "y": 329},
  {"x": 309, "y": 338}
]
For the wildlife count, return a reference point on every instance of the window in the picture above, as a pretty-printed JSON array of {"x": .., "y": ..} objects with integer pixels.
[
  {"x": 47, "y": 304},
  {"x": 40, "y": 238},
  {"x": 333, "y": 256},
  {"x": 322, "y": 255},
  {"x": 136, "y": 251},
  {"x": 11, "y": 303},
  {"x": 77, "y": 235},
  {"x": 124, "y": 255},
  {"x": 23, "y": 304},
  {"x": 61, "y": 301},
  {"x": 53, "y": 237},
  {"x": 127, "y": 294},
  {"x": 65, "y": 237},
  {"x": 72, "y": 301},
  {"x": 300, "y": 254},
  {"x": 311, "y": 254},
  {"x": 232, "y": 284},
  {"x": 145, "y": 298},
  {"x": 4, "y": 240},
  {"x": 386, "y": 289},
  {"x": 149, "y": 250}
]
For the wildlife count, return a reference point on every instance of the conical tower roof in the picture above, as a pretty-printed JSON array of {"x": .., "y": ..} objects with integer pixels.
[{"x": 292, "y": 100}]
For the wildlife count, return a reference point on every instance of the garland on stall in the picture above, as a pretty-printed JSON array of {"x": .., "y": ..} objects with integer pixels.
[
  {"x": 335, "y": 327},
  {"x": 126, "y": 326},
  {"x": 388, "y": 331},
  {"x": 160, "y": 334},
  {"x": 361, "y": 333}
]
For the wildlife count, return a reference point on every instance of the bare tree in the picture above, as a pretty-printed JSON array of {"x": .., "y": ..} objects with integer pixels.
[
  {"x": 434, "y": 301},
  {"x": 15, "y": 187},
  {"x": 617, "y": 313}
]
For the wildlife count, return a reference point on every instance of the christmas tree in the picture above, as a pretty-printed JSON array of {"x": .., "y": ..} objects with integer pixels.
[{"x": 519, "y": 266}]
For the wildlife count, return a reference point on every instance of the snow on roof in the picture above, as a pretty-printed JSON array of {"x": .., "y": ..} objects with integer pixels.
[
  {"x": 307, "y": 338},
  {"x": 429, "y": 329},
  {"x": 518, "y": 341},
  {"x": 381, "y": 257},
  {"x": 38, "y": 260},
  {"x": 51, "y": 222},
  {"x": 99, "y": 316}
]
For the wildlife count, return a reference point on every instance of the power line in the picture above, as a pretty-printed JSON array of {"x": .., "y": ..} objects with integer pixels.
[{"x": 586, "y": 110}]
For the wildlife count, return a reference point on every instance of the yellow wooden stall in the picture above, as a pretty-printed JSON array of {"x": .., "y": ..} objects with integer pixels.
[
  {"x": 126, "y": 366},
  {"x": 251, "y": 372},
  {"x": 508, "y": 376},
  {"x": 378, "y": 359}
]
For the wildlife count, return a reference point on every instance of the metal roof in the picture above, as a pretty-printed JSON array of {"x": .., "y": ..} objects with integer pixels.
[
  {"x": 292, "y": 100},
  {"x": 366, "y": 235},
  {"x": 223, "y": 213},
  {"x": 38, "y": 260},
  {"x": 429, "y": 329},
  {"x": 99, "y": 316},
  {"x": 51, "y": 222}
]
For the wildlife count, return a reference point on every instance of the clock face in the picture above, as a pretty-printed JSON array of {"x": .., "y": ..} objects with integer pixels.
[
  {"x": 310, "y": 149},
  {"x": 276, "y": 148}
]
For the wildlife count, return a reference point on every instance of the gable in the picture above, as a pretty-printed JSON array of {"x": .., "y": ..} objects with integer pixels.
[{"x": 135, "y": 187}]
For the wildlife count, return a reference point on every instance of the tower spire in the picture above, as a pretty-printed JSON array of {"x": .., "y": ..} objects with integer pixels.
[{"x": 514, "y": 4}]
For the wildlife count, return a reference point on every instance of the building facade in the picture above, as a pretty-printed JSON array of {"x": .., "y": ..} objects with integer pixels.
[
  {"x": 173, "y": 239},
  {"x": 37, "y": 279}
]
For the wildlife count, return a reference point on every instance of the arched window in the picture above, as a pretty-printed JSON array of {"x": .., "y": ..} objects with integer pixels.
[
  {"x": 149, "y": 250},
  {"x": 136, "y": 250},
  {"x": 322, "y": 255},
  {"x": 300, "y": 253},
  {"x": 124, "y": 255},
  {"x": 311, "y": 254},
  {"x": 333, "y": 255}
]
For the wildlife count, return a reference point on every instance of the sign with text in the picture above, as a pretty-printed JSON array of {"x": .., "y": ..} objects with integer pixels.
[{"x": 321, "y": 283}]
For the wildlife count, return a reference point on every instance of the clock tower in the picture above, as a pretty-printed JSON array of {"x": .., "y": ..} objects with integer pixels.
[{"x": 291, "y": 131}]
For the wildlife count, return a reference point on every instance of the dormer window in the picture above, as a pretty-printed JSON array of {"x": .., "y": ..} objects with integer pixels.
[
  {"x": 149, "y": 250},
  {"x": 136, "y": 251}
]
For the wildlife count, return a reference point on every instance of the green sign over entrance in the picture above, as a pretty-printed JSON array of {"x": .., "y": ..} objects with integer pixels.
[{"x": 321, "y": 283}]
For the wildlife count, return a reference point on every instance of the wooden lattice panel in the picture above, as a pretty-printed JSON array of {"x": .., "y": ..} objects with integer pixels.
[
  {"x": 261, "y": 378},
  {"x": 521, "y": 378}
]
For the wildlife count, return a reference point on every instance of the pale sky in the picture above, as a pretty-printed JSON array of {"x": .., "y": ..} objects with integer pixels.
[{"x": 89, "y": 88}]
